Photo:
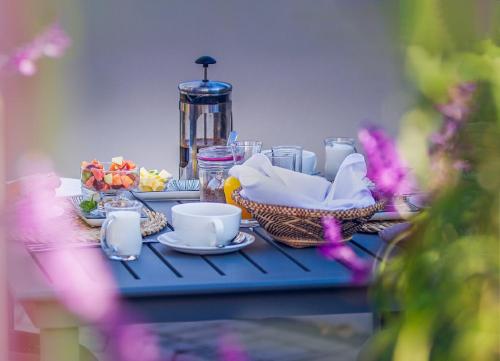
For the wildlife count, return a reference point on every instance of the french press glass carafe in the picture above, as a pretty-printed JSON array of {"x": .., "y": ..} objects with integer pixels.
[{"x": 205, "y": 118}]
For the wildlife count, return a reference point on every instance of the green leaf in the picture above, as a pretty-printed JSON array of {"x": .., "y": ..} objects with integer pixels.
[{"x": 88, "y": 205}]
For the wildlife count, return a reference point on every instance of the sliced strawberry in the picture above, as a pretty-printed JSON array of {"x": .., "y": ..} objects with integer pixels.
[
  {"x": 90, "y": 182},
  {"x": 97, "y": 173}
]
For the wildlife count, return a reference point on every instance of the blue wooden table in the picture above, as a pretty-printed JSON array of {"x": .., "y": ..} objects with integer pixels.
[{"x": 266, "y": 279}]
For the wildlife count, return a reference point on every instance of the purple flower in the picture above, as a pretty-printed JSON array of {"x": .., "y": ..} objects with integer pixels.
[
  {"x": 455, "y": 113},
  {"x": 446, "y": 156},
  {"x": 335, "y": 248},
  {"x": 385, "y": 167},
  {"x": 37, "y": 216},
  {"x": 230, "y": 349},
  {"x": 53, "y": 42},
  {"x": 457, "y": 107}
]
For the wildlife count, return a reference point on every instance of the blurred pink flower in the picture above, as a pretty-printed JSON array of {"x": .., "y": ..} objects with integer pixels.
[
  {"x": 38, "y": 217},
  {"x": 335, "y": 248},
  {"x": 130, "y": 343},
  {"x": 455, "y": 113},
  {"x": 231, "y": 349},
  {"x": 446, "y": 155},
  {"x": 457, "y": 107},
  {"x": 385, "y": 167},
  {"x": 53, "y": 42}
]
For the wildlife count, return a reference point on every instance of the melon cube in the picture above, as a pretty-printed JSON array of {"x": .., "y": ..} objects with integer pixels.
[
  {"x": 126, "y": 181},
  {"x": 108, "y": 178},
  {"x": 117, "y": 160},
  {"x": 117, "y": 180},
  {"x": 164, "y": 174}
]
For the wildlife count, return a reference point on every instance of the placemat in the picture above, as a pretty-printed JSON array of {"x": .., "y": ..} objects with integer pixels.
[{"x": 87, "y": 236}]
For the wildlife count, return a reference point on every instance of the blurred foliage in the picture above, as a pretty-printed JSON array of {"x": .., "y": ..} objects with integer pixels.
[{"x": 444, "y": 283}]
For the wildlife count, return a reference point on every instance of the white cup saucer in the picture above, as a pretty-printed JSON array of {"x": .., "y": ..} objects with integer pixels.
[{"x": 170, "y": 239}]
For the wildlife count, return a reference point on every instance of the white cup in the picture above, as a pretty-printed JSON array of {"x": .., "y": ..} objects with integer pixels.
[
  {"x": 309, "y": 162},
  {"x": 206, "y": 224}
]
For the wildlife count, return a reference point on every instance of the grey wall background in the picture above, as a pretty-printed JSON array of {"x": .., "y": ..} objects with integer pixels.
[{"x": 301, "y": 71}]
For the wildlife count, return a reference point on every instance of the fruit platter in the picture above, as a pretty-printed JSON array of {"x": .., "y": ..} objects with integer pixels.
[
  {"x": 103, "y": 179},
  {"x": 158, "y": 185},
  {"x": 110, "y": 177},
  {"x": 153, "y": 180}
]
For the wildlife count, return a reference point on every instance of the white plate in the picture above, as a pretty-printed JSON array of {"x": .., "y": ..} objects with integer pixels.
[
  {"x": 169, "y": 239},
  {"x": 167, "y": 195}
]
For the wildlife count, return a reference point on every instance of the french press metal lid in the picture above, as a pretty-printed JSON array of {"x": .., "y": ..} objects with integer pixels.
[{"x": 205, "y": 117}]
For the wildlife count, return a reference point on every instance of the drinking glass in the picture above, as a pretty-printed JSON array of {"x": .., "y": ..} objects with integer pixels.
[
  {"x": 287, "y": 161},
  {"x": 121, "y": 237},
  {"x": 249, "y": 147},
  {"x": 336, "y": 150},
  {"x": 283, "y": 150}
]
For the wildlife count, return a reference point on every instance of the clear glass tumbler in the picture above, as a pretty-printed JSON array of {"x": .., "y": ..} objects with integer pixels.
[
  {"x": 121, "y": 237},
  {"x": 287, "y": 161},
  {"x": 336, "y": 150},
  {"x": 284, "y": 150},
  {"x": 249, "y": 148}
]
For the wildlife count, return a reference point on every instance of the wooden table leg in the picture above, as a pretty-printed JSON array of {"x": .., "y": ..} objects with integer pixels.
[{"x": 59, "y": 344}]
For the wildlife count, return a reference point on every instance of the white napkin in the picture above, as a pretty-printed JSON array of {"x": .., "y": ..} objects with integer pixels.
[{"x": 263, "y": 183}]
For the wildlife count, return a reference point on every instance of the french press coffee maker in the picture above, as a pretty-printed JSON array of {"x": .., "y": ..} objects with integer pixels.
[{"x": 205, "y": 117}]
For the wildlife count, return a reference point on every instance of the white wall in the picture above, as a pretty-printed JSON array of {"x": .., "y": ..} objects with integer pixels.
[{"x": 301, "y": 71}]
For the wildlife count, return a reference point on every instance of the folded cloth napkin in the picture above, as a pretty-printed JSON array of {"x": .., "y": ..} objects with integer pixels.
[{"x": 263, "y": 183}]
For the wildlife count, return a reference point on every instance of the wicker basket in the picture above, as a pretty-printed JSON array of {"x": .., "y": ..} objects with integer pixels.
[{"x": 301, "y": 227}]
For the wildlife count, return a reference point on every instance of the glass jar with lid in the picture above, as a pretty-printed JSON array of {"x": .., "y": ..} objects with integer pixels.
[{"x": 213, "y": 169}]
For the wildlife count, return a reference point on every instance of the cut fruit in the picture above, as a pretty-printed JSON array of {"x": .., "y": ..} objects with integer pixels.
[
  {"x": 164, "y": 174},
  {"x": 97, "y": 173},
  {"x": 108, "y": 178},
  {"x": 90, "y": 182},
  {"x": 117, "y": 180},
  {"x": 120, "y": 174},
  {"x": 153, "y": 179},
  {"x": 230, "y": 185},
  {"x": 117, "y": 160},
  {"x": 157, "y": 185},
  {"x": 126, "y": 181},
  {"x": 86, "y": 174},
  {"x": 128, "y": 165}
]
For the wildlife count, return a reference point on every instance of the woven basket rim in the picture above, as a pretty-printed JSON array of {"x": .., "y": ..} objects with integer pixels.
[{"x": 340, "y": 214}]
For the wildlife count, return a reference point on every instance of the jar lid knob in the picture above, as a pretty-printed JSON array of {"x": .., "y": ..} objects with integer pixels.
[{"x": 205, "y": 61}]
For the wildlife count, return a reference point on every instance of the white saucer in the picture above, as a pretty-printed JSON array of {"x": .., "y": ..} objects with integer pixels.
[{"x": 170, "y": 239}]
